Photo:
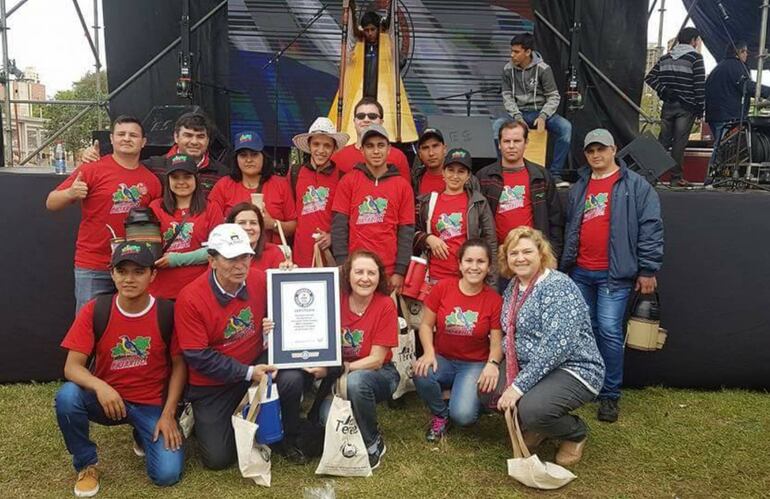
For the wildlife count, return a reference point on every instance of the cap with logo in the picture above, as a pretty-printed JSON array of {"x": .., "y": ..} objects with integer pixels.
[
  {"x": 459, "y": 156},
  {"x": 374, "y": 129},
  {"x": 229, "y": 240},
  {"x": 430, "y": 133},
  {"x": 181, "y": 162},
  {"x": 248, "y": 140},
  {"x": 600, "y": 136},
  {"x": 133, "y": 251}
]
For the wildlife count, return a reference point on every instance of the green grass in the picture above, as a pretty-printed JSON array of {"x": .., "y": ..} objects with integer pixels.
[{"x": 668, "y": 443}]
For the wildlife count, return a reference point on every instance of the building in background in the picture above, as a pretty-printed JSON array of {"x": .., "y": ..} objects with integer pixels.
[{"x": 26, "y": 119}]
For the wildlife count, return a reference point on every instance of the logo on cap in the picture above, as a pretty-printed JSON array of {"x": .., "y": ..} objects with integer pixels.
[
  {"x": 178, "y": 159},
  {"x": 246, "y": 137},
  {"x": 459, "y": 153},
  {"x": 130, "y": 249}
]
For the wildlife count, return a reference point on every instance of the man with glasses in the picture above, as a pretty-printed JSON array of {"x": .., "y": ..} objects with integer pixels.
[{"x": 368, "y": 112}]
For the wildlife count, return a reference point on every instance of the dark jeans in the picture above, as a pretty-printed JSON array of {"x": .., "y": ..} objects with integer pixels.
[
  {"x": 546, "y": 407},
  {"x": 292, "y": 384},
  {"x": 675, "y": 125},
  {"x": 75, "y": 407},
  {"x": 717, "y": 131}
]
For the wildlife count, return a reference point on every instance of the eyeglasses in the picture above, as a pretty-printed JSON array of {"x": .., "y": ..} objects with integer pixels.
[{"x": 371, "y": 116}]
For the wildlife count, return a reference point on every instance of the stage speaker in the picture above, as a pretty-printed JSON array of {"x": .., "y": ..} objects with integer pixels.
[
  {"x": 647, "y": 157},
  {"x": 473, "y": 133}
]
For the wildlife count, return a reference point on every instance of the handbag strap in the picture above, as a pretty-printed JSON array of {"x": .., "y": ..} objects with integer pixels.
[
  {"x": 341, "y": 386},
  {"x": 177, "y": 231},
  {"x": 431, "y": 208},
  {"x": 256, "y": 402},
  {"x": 514, "y": 432}
]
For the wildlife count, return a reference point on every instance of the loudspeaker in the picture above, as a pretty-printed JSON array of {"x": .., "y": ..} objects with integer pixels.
[
  {"x": 473, "y": 133},
  {"x": 647, "y": 157}
]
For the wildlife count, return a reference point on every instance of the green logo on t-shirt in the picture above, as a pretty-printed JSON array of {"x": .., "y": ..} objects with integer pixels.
[
  {"x": 127, "y": 197},
  {"x": 129, "y": 352},
  {"x": 182, "y": 241},
  {"x": 371, "y": 210},
  {"x": 449, "y": 225},
  {"x": 351, "y": 341},
  {"x": 511, "y": 198},
  {"x": 240, "y": 325},
  {"x": 314, "y": 199},
  {"x": 461, "y": 322},
  {"x": 596, "y": 205}
]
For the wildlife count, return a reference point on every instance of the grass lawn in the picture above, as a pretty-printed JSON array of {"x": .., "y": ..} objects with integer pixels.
[{"x": 668, "y": 443}]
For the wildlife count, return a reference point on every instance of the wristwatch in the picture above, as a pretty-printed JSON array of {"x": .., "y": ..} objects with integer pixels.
[{"x": 492, "y": 361}]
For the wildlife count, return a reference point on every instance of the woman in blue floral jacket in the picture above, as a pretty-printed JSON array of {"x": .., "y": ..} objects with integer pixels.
[{"x": 553, "y": 366}]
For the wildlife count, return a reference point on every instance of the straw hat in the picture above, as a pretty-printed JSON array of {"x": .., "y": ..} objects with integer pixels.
[{"x": 321, "y": 126}]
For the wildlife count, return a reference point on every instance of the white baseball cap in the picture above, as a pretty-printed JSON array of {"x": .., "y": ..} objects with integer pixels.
[{"x": 229, "y": 240}]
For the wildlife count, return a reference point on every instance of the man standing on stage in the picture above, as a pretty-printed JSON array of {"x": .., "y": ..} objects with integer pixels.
[
  {"x": 530, "y": 96},
  {"x": 368, "y": 112},
  {"x": 374, "y": 209},
  {"x": 679, "y": 79},
  {"x": 613, "y": 243},
  {"x": 107, "y": 190}
]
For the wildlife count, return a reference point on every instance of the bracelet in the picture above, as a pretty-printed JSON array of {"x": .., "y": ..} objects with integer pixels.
[{"x": 491, "y": 361}]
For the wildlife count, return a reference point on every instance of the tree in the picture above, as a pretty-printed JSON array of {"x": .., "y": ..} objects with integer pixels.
[{"x": 78, "y": 136}]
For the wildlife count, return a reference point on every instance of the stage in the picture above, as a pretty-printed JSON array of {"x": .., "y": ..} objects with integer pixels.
[{"x": 713, "y": 288}]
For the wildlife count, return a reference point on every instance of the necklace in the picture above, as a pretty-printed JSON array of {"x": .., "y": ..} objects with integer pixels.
[
  {"x": 356, "y": 308},
  {"x": 249, "y": 185}
]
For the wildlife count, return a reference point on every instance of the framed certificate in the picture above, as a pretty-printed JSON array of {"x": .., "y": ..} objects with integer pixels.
[{"x": 304, "y": 305}]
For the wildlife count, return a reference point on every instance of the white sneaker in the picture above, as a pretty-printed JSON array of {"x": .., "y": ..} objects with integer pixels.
[
  {"x": 562, "y": 184},
  {"x": 138, "y": 450}
]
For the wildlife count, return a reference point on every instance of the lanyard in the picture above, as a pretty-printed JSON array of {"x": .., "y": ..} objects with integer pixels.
[{"x": 511, "y": 361}]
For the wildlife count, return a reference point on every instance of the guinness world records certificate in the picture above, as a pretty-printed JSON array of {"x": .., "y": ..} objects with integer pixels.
[{"x": 304, "y": 306}]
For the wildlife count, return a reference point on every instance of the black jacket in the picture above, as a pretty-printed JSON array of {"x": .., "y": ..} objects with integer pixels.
[
  {"x": 547, "y": 214},
  {"x": 724, "y": 87}
]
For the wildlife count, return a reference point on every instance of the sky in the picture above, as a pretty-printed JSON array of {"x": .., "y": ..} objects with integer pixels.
[{"x": 47, "y": 34}]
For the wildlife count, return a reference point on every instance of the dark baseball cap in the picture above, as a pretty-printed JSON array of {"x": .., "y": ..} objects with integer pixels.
[
  {"x": 248, "y": 140},
  {"x": 430, "y": 133},
  {"x": 181, "y": 162},
  {"x": 133, "y": 251},
  {"x": 459, "y": 156}
]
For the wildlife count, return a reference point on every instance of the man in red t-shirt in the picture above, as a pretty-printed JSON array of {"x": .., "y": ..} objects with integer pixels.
[
  {"x": 218, "y": 318},
  {"x": 374, "y": 210},
  {"x": 368, "y": 112},
  {"x": 314, "y": 186},
  {"x": 107, "y": 190},
  {"x": 137, "y": 377}
]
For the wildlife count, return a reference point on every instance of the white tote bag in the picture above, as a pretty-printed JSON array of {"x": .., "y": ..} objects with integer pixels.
[
  {"x": 403, "y": 359},
  {"x": 344, "y": 451},
  {"x": 253, "y": 459}
]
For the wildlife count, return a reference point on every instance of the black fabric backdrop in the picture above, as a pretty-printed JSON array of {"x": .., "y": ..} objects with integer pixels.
[
  {"x": 613, "y": 37},
  {"x": 713, "y": 288},
  {"x": 138, "y": 30}
]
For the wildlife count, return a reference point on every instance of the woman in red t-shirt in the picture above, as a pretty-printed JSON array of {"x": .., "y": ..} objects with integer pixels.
[
  {"x": 465, "y": 351},
  {"x": 185, "y": 222},
  {"x": 266, "y": 255},
  {"x": 253, "y": 173}
]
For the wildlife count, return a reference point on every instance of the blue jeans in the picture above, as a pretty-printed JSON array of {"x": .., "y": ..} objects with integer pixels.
[
  {"x": 75, "y": 407},
  {"x": 608, "y": 310},
  {"x": 367, "y": 387},
  {"x": 461, "y": 376},
  {"x": 717, "y": 130},
  {"x": 89, "y": 283},
  {"x": 559, "y": 130}
]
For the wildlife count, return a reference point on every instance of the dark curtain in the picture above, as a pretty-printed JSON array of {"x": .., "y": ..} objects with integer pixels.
[
  {"x": 138, "y": 30},
  {"x": 614, "y": 38}
]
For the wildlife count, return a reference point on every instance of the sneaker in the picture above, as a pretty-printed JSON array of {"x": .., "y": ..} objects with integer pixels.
[
  {"x": 608, "y": 410},
  {"x": 680, "y": 182},
  {"x": 532, "y": 439},
  {"x": 376, "y": 457},
  {"x": 87, "y": 484},
  {"x": 437, "y": 430},
  {"x": 138, "y": 449},
  {"x": 569, "y": 453},
  {"x": 560, "y": 183}
]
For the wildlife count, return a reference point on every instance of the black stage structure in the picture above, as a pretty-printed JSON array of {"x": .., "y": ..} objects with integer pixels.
[{"x": 713, "y": 288}]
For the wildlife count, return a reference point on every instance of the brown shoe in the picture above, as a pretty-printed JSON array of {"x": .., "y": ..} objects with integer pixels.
[
  {"x": 87, "y": 484},
  {"x": 532, "y": 439},
  {"x": 569, "y": 453}
]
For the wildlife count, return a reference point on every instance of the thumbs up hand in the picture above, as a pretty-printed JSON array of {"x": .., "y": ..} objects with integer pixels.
[
  {"x": 92, "y": 153},
  {"x": 79, "y": 188}
]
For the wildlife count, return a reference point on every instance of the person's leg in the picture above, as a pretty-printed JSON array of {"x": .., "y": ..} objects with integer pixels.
[
  {"x": 464, "y": 405},
  {"x": 587, "y": 286},
  {"x": 717, "y": 131},
  {"x": 366, "y": 387},
  {"x": 546, "y": 408},
  {"x": 164, "y": 466},
  {"x": 75, "y": 407},
  {"x": 610, "y": 316},
  {"x": 429, "y": 388},
  {"x": 212, "y": 407},
  {"x": 89, "y": 283},
  {"x": 682, "y": 125},
  {"x": 560, "y": 130},
  {"x": 291, "y": 385}
]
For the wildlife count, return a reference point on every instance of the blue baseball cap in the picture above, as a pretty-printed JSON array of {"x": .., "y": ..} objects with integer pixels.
[{"x": 248, "y": 140}]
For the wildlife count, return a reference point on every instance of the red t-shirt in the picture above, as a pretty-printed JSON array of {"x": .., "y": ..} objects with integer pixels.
[
  {"x": 112, "y": 191},
  {"x": 463, "y": 322},
  {"x": 450, "y": 224},
  {"x": 378, "y": 326},
  {"x": 277, "y": 197},
  {"x": 271, "y": 258},
  {"x": 515, "y": 205},
  {"x": 349, "y": 156},
  {"x": 171, "y": 280},
  {"x": 315, "y": 195},
  {"x": 431, "y": 183},
  {"x": 375, "y": 210},
  {"x": 131, "y": 354},
  {"x": 234, "y": 330},
  {"x": 594, "y": 249}
]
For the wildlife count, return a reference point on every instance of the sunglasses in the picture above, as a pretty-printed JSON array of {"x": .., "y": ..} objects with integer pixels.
[{"x": 371, "y": 116}]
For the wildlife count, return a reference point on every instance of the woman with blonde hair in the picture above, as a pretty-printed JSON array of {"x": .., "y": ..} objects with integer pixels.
[{"x": 552, "y": 363}]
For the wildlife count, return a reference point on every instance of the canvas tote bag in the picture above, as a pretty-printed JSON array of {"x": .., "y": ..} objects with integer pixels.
[{"x": 253, "y": 458}]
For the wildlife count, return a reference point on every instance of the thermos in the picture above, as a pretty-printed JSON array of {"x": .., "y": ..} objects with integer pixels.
[{"x": 643, "y": 331}]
